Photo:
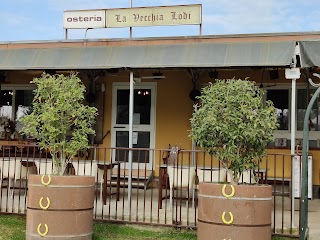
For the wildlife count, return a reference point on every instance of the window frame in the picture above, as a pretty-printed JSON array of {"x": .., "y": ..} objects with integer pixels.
[
  {"x": 14, "y": 88},
  {"x": 313, "y": 135}
]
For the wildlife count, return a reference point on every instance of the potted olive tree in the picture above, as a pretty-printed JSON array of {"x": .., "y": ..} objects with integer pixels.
[
  {"x": 61, "y": 123},
  {"x": 233, "y": 123}
]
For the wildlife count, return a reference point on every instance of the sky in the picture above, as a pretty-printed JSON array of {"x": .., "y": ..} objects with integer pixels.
[{"x": 28, "y": 20}]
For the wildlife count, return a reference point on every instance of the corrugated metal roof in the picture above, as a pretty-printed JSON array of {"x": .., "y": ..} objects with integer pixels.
[{"x": 151, "y": 56}]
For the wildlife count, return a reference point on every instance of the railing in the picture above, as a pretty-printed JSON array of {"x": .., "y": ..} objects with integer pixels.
[{"x": 163, "y": 189}]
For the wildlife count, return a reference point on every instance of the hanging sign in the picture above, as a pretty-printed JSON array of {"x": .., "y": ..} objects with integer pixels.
[{"x": 134, "y": 17}]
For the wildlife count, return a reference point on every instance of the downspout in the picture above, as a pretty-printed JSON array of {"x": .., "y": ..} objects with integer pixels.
[{"x": 92, "y": 104}]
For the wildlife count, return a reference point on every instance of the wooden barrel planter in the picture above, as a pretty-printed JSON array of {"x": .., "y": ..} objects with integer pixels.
[
  {"x": 239, "y": 212},
  {"x": 60, "y": 207}
]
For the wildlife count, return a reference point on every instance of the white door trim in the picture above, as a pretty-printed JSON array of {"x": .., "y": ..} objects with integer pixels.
[{"x": 125, "y": 127}]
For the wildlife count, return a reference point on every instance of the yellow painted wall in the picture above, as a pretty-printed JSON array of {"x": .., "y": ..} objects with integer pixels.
[{"x": 173, "y": 108}]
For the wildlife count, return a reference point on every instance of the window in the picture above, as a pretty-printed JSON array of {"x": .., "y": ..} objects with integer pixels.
[
  {"x": 280, "y": 99},
  {"x": 6, "y": 104},
  {"x": 142, "y": 106},
  {"x": 303, "y": 99},
  {"x": 15, "y": 102}
]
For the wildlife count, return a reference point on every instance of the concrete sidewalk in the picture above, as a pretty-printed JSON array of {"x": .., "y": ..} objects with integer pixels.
[
  {"x": 313, "y": 216},
  {"x": 314, "y": 219}
]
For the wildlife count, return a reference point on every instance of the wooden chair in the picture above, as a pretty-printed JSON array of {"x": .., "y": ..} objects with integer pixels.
[{"x": 169, "y": 159}]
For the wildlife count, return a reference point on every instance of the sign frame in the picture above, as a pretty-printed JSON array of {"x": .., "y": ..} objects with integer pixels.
[{"x": 133, "y": 17}]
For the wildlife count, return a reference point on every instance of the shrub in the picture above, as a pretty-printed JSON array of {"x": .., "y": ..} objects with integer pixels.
[
  {"x": 234, "y": 123},
  {"x": 59, "y": 120}
]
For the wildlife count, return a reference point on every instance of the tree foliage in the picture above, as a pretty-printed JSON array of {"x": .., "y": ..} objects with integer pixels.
[
  {"x": 59, "y": 120},
  {"x": 233, "y": 123}
]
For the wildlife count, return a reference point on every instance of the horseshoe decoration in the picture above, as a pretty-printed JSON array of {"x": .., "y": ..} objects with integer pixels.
[
  {"x": 45, "y": 183},
  {"x": 224, "y": 191},
  {"x": 224, "y": 220},
  {"x": 44, "y": 207},
  {"x": 45, "y": 232}
]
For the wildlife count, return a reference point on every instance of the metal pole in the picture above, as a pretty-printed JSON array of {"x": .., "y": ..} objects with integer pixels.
[
  {"x": 293, "y": 130},
  {"x": 131, "y": 99},
  {"x": 304, "y": 185},
  {"x": 194, "y": 162},
  {"x": 130, "y": 27},
  {"x": 293, "y": 114},
  {"x": 293, "y": 140},
  {"x": 305, "y": 149},
  {"x": 85, "y": 37},
  {"x": 201, "y": 23}
]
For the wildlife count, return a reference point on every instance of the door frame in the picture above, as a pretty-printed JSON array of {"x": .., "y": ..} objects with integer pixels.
[{"x": 152, "y": 127}]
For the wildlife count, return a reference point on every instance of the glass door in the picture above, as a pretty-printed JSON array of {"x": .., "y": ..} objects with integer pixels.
[{"x": 143, "y": 122}]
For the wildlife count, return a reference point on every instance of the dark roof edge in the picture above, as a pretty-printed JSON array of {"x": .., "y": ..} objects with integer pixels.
[{"x": 278, "y": 34}]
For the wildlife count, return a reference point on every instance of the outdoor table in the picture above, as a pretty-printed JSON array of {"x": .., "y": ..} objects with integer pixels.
[{"x": 105, "y": 167}]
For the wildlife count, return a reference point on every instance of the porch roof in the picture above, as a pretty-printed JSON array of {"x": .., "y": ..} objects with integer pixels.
[
  {"x": 231, "y": 54},
  {"x": 310, "y": 53}
]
